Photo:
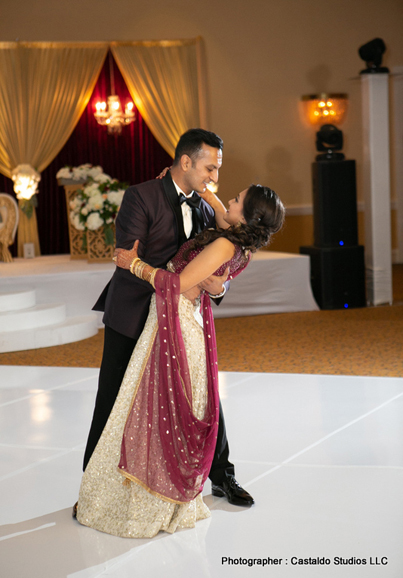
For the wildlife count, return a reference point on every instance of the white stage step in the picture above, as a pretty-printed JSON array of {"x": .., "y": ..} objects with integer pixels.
[
  {"x": 37, "y": 316},
  {"x": 25, "y": 325},
  {"x": 70, "y": 330},
  {"x": 15, "y": 299}
]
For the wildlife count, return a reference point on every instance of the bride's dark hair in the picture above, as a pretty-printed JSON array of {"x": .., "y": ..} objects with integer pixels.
[{"x": 264, "y": 215}]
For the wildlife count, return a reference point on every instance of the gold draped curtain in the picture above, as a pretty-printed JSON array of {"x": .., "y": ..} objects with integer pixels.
[
  {"x": 44, "y": 89},
  {"x": 165, "y": 80}
]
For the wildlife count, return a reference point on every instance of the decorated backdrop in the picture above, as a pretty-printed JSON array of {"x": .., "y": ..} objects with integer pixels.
[{"x": 133, "y": 157}]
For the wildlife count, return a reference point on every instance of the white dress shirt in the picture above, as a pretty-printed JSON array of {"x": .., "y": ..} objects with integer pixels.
[{"x": 186, "y": 211}]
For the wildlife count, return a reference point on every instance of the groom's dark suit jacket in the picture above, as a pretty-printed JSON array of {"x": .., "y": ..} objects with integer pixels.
[{"x": 151, "y": 213}]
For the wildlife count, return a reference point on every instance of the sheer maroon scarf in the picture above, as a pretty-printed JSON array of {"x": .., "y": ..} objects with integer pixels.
[{"x": 165, "y": 448}]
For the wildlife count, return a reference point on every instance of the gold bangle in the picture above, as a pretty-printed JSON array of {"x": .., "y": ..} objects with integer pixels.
[
  {"x": 139, "y": 268},
  {"x": 136, "y": 268},
  {"x": 151, "y": 280},
  {"x": 148, "y": 276},
  {"x": 132, "y": 264}
]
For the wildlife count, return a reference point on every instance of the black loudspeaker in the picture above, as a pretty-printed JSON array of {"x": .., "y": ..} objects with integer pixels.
[
  {"x": 337, "y": 276},
  {"x": 334, "y": 204}
]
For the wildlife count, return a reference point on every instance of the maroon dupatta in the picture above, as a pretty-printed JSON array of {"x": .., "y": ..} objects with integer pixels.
[{"x": 165, "y": 448}]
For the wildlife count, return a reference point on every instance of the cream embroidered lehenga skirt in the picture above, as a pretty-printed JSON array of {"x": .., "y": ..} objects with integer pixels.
[{"x": 105, "y": 502}]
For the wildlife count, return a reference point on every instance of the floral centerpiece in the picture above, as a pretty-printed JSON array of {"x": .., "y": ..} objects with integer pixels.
[
  {"x": 93, "y": 201},
  {"x": 79, "y": 174},
  {"x": 96, "y": 205}
]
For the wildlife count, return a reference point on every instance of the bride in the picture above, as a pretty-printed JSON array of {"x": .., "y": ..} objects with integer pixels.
[{"x": 149, "y": 467}]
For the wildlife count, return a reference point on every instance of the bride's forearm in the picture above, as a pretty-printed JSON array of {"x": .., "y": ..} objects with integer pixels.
[
  {"x": 218, "y": 207},
  {"x": 206, "y": 263},
  {"x": 200, "y": 268},
  {"x": 220, "y": 211},
  {"x": 147, "y": 273}
]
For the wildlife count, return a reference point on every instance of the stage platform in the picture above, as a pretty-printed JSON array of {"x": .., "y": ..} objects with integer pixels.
[
  {"x": 272, "y": 283},
  {"x": 75, "y": 283}
]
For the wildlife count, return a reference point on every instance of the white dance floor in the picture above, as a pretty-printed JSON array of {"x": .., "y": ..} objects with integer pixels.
[{"x": 322, "y": 456}]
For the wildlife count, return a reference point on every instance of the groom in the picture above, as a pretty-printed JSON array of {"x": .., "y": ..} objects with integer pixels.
[{"x": 162, "y": 214}]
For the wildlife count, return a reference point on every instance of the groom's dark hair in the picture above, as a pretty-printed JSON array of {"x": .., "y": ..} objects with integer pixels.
[{"x": 191, "y": 142}]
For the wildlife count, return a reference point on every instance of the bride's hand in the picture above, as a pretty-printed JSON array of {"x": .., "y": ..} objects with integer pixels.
[
  {"x": 163, "y": 173},
  {"x": 209, "y": 197},
  {"x": 124, "y": 258}
]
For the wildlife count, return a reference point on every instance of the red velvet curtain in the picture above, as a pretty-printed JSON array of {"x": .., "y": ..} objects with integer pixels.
[{"x": 133, "y": 156}]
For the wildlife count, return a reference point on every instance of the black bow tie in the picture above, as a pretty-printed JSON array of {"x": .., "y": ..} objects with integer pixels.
[
  {"x": 197, "y": 216},
  {"x": 193, "y": 201}
]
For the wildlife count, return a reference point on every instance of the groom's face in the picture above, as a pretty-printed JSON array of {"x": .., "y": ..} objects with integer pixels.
[{"x": 203, "y": 169}]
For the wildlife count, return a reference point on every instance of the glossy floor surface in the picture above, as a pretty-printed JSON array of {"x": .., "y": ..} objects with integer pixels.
[{"x": 322, "y": 456}]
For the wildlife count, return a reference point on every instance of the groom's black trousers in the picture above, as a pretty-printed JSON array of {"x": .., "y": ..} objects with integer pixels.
[{"x": 117, "y": 352}]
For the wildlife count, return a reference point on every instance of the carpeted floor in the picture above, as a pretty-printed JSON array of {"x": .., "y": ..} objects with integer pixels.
[{"x": 364, "y": 341}]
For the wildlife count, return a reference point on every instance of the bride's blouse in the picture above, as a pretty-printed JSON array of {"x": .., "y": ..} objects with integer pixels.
[{"x": 236, "y": 264}]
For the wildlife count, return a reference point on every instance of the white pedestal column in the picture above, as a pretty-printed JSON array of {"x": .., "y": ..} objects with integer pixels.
[
  {"x": 378, "y": 244},
  {"x": 397, "y": 121}
]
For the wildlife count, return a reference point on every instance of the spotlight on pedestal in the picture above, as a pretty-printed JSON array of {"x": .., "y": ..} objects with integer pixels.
[
  {"x": 337, "y": 261},
  {"x": 371, "y": 53},
  {"x": 329, "y": 140},
  {"x": 326, "y": 110}
]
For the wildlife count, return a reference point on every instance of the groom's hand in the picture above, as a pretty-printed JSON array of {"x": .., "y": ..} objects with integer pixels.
[
  {"x": 192, "y": 293},
  {"x": 214, "y": 284}
]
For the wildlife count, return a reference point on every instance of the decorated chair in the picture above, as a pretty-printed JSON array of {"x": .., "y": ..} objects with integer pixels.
[{"x": 8, "y": 225}]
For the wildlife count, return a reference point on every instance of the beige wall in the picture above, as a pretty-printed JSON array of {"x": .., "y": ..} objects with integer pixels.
[{"x": 262, "y": 55}]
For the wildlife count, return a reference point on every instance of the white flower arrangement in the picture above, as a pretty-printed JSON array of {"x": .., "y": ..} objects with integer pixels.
[
  {"x": 96, "y": 204},
  {"x": 81, "y": 173}
]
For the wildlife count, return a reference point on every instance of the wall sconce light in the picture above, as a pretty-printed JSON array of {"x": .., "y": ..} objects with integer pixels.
[
  {"x": 325, "y": 108},
  {"x": 324, "y": 111}
]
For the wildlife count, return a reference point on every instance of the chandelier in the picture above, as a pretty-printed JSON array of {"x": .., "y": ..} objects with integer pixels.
[{"x": 111, "y": 114}]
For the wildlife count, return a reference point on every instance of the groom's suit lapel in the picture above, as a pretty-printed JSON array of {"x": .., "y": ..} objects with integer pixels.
[{"x": 173, "y": 200}]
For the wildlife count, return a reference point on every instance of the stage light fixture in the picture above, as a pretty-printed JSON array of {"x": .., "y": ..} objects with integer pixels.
[
  {"x": 372, "y": 53},
  {"x": 337, "y": 261},
  {"x": 329, "y": 140},
  {"x": 326, "y": 110}
]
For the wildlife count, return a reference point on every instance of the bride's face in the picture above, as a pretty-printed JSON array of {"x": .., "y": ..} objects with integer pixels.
[{"x": 234, "y": 215}]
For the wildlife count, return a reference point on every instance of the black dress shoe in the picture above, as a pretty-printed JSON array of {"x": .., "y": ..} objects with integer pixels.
[
  {"x": 234, "y": 493},
  {"x": 74, "y": 512}
]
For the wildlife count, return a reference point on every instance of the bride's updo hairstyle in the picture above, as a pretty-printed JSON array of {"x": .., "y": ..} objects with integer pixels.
[{"x": 264, "y": 215}]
